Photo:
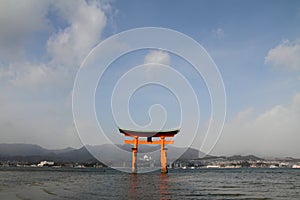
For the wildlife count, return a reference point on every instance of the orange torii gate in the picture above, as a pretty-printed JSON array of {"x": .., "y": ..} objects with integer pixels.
[{"x": 149, "y": 135}]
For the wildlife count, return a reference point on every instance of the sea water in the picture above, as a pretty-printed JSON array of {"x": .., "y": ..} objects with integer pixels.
[{"x": 49, "y": 183}]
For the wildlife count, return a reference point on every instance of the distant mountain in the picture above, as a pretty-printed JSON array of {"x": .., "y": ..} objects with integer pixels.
[
  {"x": 107, "y": 152},
  {"x": 65, "y": 150},
  {"x": 32, "y": 153},
  {"x": 248, "y": 157},
  {"x": 28, "y": 150},
  {"x": 231, "y": 158},
  {"x": 21, "y": 149},
  {"x": 189, "y": 153}
]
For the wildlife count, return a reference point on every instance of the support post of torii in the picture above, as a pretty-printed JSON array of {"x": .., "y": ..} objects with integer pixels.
[
  {"x": 134, "y": 155},
  {"x": 162, "y": 142},
  {"x": 163, "y": 155}
]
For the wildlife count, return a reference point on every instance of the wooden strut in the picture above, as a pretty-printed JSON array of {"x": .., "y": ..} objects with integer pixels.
[
  {"x": 163, "y": 151},
  {"x": 145, "y": 142}
]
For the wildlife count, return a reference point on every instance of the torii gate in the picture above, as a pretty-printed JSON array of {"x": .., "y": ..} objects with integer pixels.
[{"x": 148, "y": 134}]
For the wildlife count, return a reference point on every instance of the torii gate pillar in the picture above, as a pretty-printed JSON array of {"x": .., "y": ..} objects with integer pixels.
[
  {"x": 134, "y": 155},
  {"x": 163, "y": 155}
]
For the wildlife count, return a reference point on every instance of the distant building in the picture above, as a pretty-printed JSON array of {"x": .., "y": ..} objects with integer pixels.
[{"x": 45, "y": 163}]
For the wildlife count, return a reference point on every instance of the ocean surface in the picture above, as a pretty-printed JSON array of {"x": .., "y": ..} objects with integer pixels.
[{"x": 48, "y": 183}]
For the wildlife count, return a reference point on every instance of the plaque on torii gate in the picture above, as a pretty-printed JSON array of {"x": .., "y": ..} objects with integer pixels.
[{"x": 149, "y": 135}]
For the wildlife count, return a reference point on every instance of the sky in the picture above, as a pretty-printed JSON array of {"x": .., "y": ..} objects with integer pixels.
[{"x": 254, "y": 44}]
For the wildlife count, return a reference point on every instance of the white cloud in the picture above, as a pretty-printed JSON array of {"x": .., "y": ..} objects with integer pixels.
[
  {"x": 276, "y": 132},
  {"x": 87, "y": 21},
  {"x": 219, "y": 33},
  {"x": 18, "y": 21},
  {"x": 285, "y": 56},
  {"x": 32, "y": 120},
  {"x": 153, "y": 58},
  {"x": 157, "y": 56},
  {"x": 66, "y": 47},
  {"x": 36, "y": 105},
  {"x": 27, "y": 74}
]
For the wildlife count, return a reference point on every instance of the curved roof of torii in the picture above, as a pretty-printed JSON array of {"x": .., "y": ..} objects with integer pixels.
[{"x": 168, "y": 133}]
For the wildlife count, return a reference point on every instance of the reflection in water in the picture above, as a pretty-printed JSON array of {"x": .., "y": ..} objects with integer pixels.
[
  {"x": 133, "y": 192},
  {"x": 163, "y": 186},
  {"x": 148, "y": 185}
]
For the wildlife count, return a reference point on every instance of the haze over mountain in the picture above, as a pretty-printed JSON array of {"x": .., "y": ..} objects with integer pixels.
[
  {"x": 36, "y": 153},
  {"x": 31, "y": 153}
]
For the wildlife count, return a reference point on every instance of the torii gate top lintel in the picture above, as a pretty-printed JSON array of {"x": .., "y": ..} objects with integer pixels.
[{"x": 132, "y": 133}]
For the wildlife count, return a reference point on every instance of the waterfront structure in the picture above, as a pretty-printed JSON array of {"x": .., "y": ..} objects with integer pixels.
[
  {"x": 45, "y": 163},
  {"x": 162, "y": 135}
]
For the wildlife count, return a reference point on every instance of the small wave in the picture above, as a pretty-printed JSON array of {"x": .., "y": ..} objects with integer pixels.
[
  {"x": 21, "y": 197},
  {"x": 49, "y": 192}
]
